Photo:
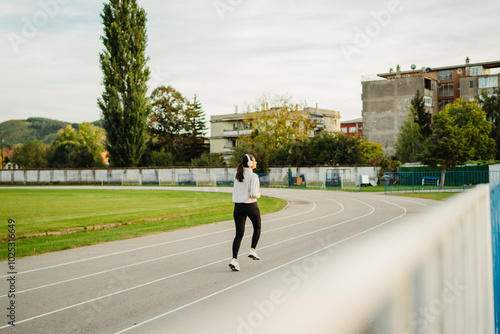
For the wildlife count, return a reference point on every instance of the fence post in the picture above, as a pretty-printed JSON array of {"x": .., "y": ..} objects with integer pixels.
[
  {"x": 413, "y": 182},
  {"x": 385, "y": 177}
]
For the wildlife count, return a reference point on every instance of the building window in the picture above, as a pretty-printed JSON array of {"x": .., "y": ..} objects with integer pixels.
[
  {"x": 427, "y": 84},
  {"x": 488, "y": 82},
  {"x": 476, "y": 70},
  {"x": 352, "y": 129},
  {"x": 446, "y": 89},
  {"x": 445, "y": 75},
  {"x": 428, "y": 101},
  {"x": 344, "y": 130},
  {"x": 471, "y": 84}
]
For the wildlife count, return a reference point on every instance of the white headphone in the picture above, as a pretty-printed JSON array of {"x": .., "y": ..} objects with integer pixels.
[{"x": 249, "y": 162}]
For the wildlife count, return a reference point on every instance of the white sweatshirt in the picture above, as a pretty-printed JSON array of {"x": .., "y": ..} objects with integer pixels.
[{"x": 248, "y": 190}]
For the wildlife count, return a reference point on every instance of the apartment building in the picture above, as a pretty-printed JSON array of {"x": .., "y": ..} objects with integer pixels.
[
  {"x": 387, "y": 96},
  {"x": 227, "y": 129}
]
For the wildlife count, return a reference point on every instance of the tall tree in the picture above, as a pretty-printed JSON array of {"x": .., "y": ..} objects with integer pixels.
[
  {"x": 195, "y": 139},
  {"x": 460, "y": 133},
  {"x": 176, "y": 125},
  {"x": 167, "y": 119},
  {"x": 491, "y": 105},
  {"x": 409, "y": 142},
  {"x": 420, "y": 115},
  {"x": 124, "y": 103}
]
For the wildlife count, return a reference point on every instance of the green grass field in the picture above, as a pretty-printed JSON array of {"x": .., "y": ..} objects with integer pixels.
[
  {"x": 141, "y": 212},
  {"x": 432, "y": 195},
  {"x": 146, "y": 212}
]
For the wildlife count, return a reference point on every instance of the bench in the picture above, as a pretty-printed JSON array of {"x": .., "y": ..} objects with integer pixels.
[{"x": 430, "y": 180}]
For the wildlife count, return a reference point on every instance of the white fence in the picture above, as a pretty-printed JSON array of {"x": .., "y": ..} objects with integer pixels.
[
  {"x": 429, "y": 275},
  {"x": 315, "y": 176}
]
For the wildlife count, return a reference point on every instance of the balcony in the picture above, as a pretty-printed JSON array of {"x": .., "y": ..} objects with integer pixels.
[{"x": 236, "y": 133}]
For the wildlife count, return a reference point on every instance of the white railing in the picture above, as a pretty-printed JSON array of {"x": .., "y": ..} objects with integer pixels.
[
  {"x": 430, "y": 274},
  {"x": 236, "y": 133}
]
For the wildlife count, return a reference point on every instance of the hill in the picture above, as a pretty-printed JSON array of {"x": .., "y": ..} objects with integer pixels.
[{"x": 39, "y": 128}]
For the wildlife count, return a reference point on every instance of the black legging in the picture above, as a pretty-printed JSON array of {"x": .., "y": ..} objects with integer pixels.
[{"x": 240, "y": 214}]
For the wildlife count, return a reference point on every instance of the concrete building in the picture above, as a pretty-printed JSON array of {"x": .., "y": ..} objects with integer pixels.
[
  {"x": 353, "y": 127},
  {"x": 226, "y": 129},
  {"x": 387, "y": 96}
]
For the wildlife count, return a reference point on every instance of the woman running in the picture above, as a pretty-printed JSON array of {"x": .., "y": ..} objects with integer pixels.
[{"x": 245, "y": 194}]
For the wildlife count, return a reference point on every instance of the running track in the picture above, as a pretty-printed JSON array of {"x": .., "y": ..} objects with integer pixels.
[{"x": 180, "y": 282}]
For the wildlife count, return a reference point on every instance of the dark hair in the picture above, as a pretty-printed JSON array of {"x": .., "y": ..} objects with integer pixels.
[{"x": 242, "y": 165}]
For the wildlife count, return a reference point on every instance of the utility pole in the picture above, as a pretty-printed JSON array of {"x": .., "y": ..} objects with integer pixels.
[{"x": 1, "y": 141}]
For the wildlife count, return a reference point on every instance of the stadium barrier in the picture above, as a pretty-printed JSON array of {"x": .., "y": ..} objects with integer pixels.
[
  {"x": 310, "y": 177},
  {"x": 432, "y": 273}
]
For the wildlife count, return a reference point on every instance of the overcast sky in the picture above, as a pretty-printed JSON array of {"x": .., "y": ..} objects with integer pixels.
[{"x": 231, "y": 52}]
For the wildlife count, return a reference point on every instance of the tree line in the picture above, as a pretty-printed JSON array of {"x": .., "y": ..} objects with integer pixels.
[{"x": 175, "y": 136}]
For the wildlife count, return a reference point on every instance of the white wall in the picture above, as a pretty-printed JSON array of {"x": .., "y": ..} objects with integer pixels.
[{"x": 164, "y": 175}]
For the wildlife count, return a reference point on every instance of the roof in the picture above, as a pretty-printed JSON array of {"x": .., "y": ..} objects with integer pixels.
[
  {"x": 356, "y": 120},
  {"x": 488, "y": 64},
  {"x": 241, "y": 116}
]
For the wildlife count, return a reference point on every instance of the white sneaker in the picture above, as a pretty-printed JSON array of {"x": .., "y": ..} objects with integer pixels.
[
  {"x": 234, "y": 265},
  {"x": 253, "y": 255}
]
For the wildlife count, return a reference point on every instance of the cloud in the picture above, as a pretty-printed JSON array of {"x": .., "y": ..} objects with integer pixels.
[{"x": 257, "y": 46}]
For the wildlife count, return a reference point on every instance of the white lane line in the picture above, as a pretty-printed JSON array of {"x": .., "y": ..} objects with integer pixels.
[
  {"x": 413, "y": 202},
  {"x": 256, "y": 276},
  {"x": 156, "y": 245},
  {"x": 165, "y": 256},
  {"x": 187, "y": 271}
]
